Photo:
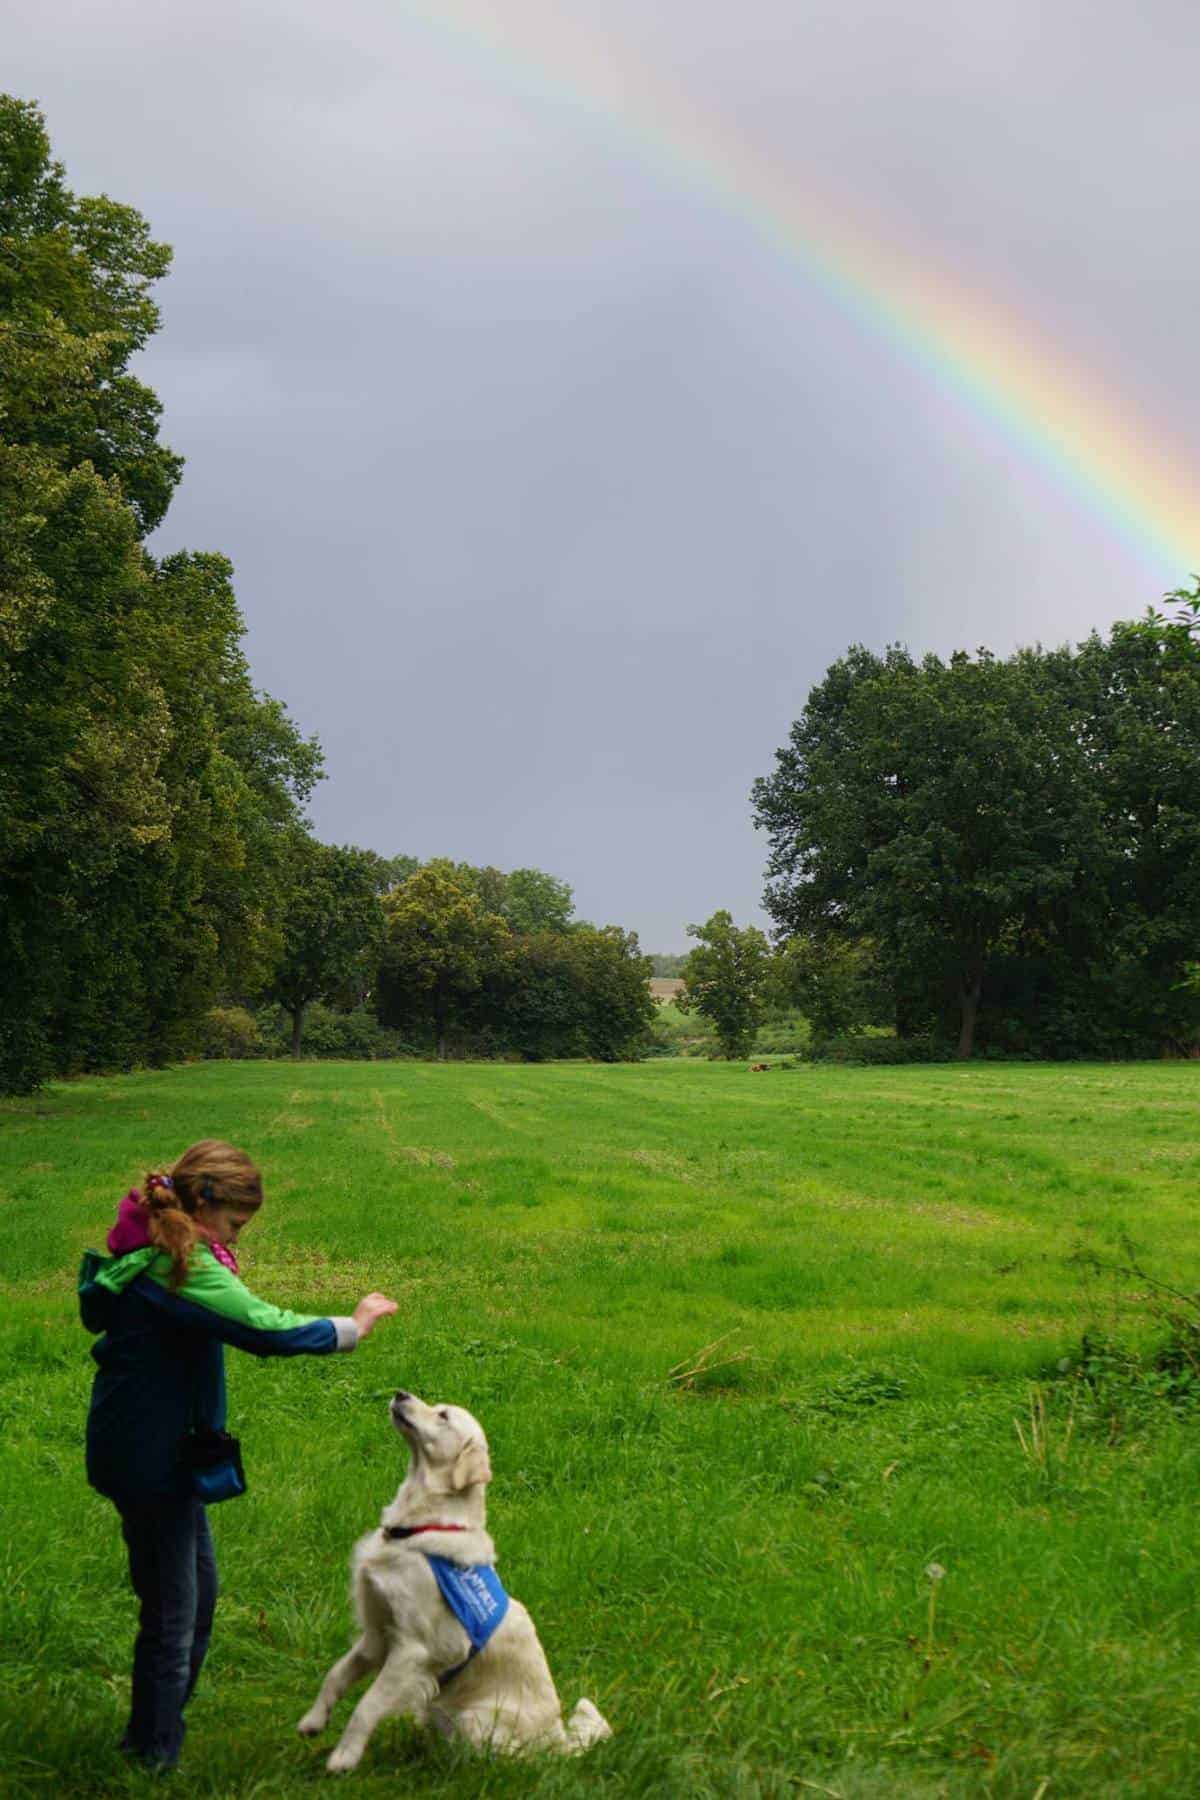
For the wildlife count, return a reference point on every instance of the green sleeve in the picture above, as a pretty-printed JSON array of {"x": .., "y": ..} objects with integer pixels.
[{"x": 209, "y": 1283}]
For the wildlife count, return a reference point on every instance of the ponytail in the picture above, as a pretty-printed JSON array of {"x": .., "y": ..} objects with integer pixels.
[
  {"x": 170, "y": 1224},
  {"x": 211, "y": 1171}
]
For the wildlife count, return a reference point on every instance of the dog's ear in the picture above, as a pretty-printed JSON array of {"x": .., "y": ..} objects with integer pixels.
[{"x": 471, "y": 1467}]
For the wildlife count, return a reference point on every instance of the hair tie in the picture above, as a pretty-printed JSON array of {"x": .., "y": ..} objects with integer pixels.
[{"x": 159, "y": 1181}]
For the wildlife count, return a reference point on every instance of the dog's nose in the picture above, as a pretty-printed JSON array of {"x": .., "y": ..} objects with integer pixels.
[{"x": 401, "y": 1396}]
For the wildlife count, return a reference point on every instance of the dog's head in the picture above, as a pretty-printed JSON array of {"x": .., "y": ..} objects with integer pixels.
[{"x": 448, "y": 1445}]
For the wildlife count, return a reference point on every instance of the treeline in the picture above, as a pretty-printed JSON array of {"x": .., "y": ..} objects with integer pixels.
[
  {"x": 997, "y": 854},
  {"x": 452, "y": 959},
  {"x": 155, "y": 858}
]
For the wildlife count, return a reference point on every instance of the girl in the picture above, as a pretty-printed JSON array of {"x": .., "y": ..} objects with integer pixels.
[{"x": 167, "y": 1303}]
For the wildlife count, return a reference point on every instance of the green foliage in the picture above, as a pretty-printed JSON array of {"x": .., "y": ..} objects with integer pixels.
[
  {"x": 533, "y": 901},
  {"x": 611, "y": 980},
  {"x": 144, "y": 783},
  {"x": 528, "y": 900},
  {"x": 441, "y": 943},
  {"x": 389, "y": 871},
  {"x": 1006, "y": 850},
  {"x": 75, "y": 306},
  {"x": 231, "y": 1031},
  {"x": 453, "y": 971},
  {"x": 838, "y": 984},
  {"x": 331, "y": 1032},
  {"x": 727, "y": 977},
  {"x": 331, "y": 926}
]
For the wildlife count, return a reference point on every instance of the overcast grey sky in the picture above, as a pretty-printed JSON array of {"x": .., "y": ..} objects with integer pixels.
[{"x": 551, "y": 486}]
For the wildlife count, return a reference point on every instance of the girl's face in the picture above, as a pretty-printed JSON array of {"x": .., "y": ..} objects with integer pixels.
[{"x": 222, "y": 1223}]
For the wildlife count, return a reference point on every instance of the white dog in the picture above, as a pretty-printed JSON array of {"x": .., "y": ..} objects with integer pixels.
[{"x": 450, "y": 1647}]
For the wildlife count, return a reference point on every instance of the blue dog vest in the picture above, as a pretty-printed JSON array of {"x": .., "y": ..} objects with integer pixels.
[{"x": 476, "y": 1597}]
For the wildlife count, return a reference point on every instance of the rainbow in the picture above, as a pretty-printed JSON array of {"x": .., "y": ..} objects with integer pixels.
[{"x": 1058, "y": 415}]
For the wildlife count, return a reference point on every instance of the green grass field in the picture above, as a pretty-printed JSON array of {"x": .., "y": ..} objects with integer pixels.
[{"x": 733, "y": 1569}]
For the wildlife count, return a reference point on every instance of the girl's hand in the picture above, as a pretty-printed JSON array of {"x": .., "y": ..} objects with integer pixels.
[{"x": 370, "y": 1309}]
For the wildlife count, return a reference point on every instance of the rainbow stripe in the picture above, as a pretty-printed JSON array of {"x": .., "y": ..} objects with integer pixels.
[{"x": 1058, "y": 415}]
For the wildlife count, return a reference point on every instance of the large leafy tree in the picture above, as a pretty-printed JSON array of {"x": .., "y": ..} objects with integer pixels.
[
  {"x": 144, "y": 784},
  {"x": 75, "y": 305},
  {"x": 579, "y": 993},
  {"x": 331, "y": 923},
  {"x": 612, "y": 979},
  {"x": 1139, "y": 697},
  {"x": 727, "y": 978},
  {"x": 441, "y": 945},
  {"x": 937, "y": 808}
]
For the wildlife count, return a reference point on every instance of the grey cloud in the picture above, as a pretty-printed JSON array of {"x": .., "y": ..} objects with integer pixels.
[{"x": 550, "y": 485}]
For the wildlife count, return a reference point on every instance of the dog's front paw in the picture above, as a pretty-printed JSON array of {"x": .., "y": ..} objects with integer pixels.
[
  {"x": 341, "y": 1760},
  {"x": 313, "y": 1721}
]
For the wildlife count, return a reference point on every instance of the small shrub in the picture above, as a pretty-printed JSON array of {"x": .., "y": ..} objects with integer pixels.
[
  {"x": 1124, "y": 1380},
  {"x": 347, "y": 1036},
  {"x": 231, "y": 1031}
]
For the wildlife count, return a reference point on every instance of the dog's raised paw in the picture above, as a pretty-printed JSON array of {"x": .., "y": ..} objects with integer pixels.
[{"x": 311, "y": 1723}]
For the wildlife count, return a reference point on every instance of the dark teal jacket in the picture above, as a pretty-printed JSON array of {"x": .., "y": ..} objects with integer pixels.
[{"x": 161, "y": 1361}]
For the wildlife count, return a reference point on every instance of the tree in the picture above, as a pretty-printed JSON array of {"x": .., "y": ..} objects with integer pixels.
[
  {"x": 390, "y": 871},
  {"x": 838, "y": 984},
  {"x": 75, "y": 307},
  {"x": 526, "y": 899},
  {"x": 726, "y": 978},
  {"x": 1139, "y": 692},
  {"x": 440, "y": 945},
  {"x": 144, "y": 784},
  {"x": 612, "y": 980},
  {"x": 535, "y": 901},
  {"x": 579, "y": 993},
  {"x": 332, "y": 918},
  {"x": 937, "y": 808}
]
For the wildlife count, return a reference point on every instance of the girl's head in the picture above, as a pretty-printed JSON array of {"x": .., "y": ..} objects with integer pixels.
[{"x": 210, "y": 1193}]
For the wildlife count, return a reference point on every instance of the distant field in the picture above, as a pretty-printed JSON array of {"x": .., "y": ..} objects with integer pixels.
[{"x": 733, "y": 1569}]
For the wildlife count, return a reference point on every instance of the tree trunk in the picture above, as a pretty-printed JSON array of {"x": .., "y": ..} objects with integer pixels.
[
  {"x": 297, "y": 1031},
  {"x": 439, "y": 1022},
  {"x": 969, "y": 989}
]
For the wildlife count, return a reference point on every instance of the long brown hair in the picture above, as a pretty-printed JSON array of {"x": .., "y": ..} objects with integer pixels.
[{"x": 217, "y": 1173}]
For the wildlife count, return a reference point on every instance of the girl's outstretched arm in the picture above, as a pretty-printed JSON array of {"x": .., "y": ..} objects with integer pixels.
[{"x": 218, "y": 1303}]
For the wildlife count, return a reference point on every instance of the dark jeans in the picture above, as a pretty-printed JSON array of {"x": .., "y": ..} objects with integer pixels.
[{"x": 174, "y": 1575}]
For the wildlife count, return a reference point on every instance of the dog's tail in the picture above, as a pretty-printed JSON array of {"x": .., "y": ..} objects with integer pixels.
[{"x": 585, "y": 1727}]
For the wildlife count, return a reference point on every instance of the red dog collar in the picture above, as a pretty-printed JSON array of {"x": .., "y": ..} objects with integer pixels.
[{"x": 407, "y": 1531}]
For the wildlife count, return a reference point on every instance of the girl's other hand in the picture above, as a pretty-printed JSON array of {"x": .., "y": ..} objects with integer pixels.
[{"x": 370, "y": 1309}]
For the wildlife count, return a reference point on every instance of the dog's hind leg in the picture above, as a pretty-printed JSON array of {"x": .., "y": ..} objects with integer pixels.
[
  {"x": 368, "y": 1653},
  {"x": 405, "y": 1684},
  {"x": 585, "y": 1727}
]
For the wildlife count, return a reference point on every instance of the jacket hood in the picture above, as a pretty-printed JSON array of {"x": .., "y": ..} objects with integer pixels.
[{"x": 103, "y": 1278}]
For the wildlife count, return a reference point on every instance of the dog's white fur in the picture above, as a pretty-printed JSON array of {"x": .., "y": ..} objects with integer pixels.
[{"x": 504, "y": 1699}]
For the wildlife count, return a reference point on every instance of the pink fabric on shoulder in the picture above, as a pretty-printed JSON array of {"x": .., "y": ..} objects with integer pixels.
[
  {"x": 131, "y": 1231},
  {"x": 224, "y": 1254}
]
